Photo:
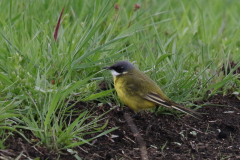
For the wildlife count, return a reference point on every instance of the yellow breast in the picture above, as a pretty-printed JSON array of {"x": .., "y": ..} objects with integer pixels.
[{"x": 130, "y": 98}]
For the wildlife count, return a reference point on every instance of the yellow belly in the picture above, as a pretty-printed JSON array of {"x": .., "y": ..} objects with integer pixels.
[{"x": 134, "y": 101}]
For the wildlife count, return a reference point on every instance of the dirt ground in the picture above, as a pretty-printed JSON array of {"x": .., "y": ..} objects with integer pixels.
[{"x": 216, "y": 136}]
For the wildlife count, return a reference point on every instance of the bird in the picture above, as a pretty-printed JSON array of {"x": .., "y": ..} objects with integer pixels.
[{"x": 139, "y": 92}]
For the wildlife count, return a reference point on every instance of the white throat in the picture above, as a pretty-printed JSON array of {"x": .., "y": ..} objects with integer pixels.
[{"x": 114, "y": 73}]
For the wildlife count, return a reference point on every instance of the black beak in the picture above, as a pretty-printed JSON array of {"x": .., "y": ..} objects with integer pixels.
[{"x": 106, "y": 67}]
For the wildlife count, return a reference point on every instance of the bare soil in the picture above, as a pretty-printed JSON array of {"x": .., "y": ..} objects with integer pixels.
[{"x": 216, "y": 136}]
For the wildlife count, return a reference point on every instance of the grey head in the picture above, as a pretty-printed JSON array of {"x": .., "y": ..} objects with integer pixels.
[{"x": 120, "y": 67}]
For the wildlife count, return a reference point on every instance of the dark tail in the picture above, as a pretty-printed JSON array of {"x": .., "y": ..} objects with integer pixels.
[
  {"x": 184, "y": 109},
  {"x": 154, "y": 97}
]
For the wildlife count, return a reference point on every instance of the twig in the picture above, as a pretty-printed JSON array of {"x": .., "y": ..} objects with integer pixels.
[
  {"x": 3, "y": 157},
  {"x": 94, "y": 141},
  {"x": 97, "y": 155},
  {"x": 136, "y": 134},
  {"x": 119, "y": 121},
  {"x": 38, "y": 150},
  {"x": 22, "y": 145},
  {"x": 193, "y": 128},
  {"x": 83, "y": 149},
  {"x": 8, "y": 152},
  {"x": 130, "y": 139}
]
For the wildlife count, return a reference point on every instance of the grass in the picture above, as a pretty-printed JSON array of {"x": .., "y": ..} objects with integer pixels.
[{"x": 186, "y": 47}]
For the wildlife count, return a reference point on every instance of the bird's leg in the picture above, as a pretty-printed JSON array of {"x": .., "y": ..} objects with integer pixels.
[
  {"x": 150, "y": 123},
  {"x": 156, "y": 109},
  {"x": 134, "y": 115}
]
